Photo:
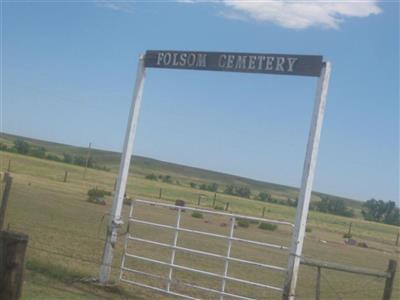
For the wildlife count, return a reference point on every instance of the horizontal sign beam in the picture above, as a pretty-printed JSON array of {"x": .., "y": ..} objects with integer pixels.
[{"x": 285, "y": 64}]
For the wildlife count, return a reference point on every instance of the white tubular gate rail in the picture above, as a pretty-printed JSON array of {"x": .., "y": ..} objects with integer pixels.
[{"x": 174, "y": 247}]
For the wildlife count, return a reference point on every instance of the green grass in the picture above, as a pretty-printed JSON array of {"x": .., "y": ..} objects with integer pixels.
[{"x": 66, "y": 235}]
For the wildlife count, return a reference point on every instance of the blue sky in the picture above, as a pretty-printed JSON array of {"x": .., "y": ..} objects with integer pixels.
[{"x": 68, "y": 71}]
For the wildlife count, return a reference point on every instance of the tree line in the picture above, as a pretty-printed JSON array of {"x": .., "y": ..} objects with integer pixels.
[
  {"x": 22, "y": 147},
  {"x": 163, "y": 178},
  {"x": 381, "y": 211},
  {"x": 372, "y": 210}
]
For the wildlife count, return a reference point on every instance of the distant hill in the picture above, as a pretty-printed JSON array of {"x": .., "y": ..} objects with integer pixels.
[{"x": 143, "y": 166}]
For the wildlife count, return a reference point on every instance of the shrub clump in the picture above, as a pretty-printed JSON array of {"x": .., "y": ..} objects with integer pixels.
[
  {"x": 268, "y": 226},
  {"x": 236, "y": 190},
  {"x": 197, "y": 214},
  {"x": 218, "y": 207},
  {"x": 308, "y": 229},
  {"x": 151, "y": 177},
  {"x": 93, "y": 193},
  {"x": 97, "y": 196},
  {"x": 212, "y": 187}
]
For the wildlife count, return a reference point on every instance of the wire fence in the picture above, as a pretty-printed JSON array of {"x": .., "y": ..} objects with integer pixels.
[
  {"x": 335, "y": 281},
  {"x": 332, "y": 284}
]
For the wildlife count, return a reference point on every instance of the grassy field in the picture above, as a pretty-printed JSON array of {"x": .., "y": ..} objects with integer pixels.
[
  {"x": 67, "y": 235},
  {"x": 182, "y": 174}
]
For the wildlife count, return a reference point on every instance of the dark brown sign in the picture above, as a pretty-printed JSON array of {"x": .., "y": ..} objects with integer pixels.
[{"x": 286, "y": 64}]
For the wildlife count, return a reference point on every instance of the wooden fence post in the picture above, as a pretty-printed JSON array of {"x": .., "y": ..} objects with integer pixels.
[
  {"x": 263, "y": 212},
  {"x": 318, "y": 285},
  {"x": 9, "y": 165},
  {"x": 227, "y": 206},
  {"x": 6, "y": 175},
  {"x": 12, "y": 258},
  {"x": 387, "y": 293},
  {"x": 160, "y": 194},
  {"x": 4, "y": 200},
  {"x": 65, "y": 176},
  {"x": 198, "y": 201},
  {"x": 349, "y": 231},
  {"x": 215, "y": 199}
]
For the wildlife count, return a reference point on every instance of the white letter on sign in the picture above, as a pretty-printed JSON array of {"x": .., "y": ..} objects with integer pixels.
[
  {"x": 167, "y": 58},
  {"x": 252, "y": 62},
  {"x": 241, "y": 62},
  {"x": 279, "y": 64},
  {"x": 191, "y": 59},
  {"x": 291, "y": 60},
  {"x": 159, "y": 58},
  {"x": 222, "y": 61},
  {"x": 260, "y": 61},
  {"x": 183, "y": 59},
  {"x": 270, "y": 60},
  {"x": 174, "y": 61},
  {"x": 230, "y": 61},
  {"x": 201, "y": 60}
]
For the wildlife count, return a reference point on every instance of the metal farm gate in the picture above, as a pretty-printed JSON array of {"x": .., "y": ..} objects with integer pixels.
[{"x": 166, "y": 282}]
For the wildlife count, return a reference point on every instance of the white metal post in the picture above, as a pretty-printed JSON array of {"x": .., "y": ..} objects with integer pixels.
[
  {"x": 228, "y": 255},
  {"x": 178, "y": 222},
  {"x": 115, "y": 218},
  {"x": 307, "y": 183}
]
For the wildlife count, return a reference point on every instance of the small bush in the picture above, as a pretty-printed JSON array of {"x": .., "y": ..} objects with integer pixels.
[
  {"x": 197, "y": 214},
  {"x": 347, "y": 235},
  {"x": 39, "y": 152},
  {"x": 241, "y": 191},
  {"x": 243, "y": 223},
  {"x": 308, "y": 229},
  {"x": 96, "y": 193},
  {"x": 97, "y": 196},
  {"x": 263, "y": 196},
  {"x": 167, "y": 179},
  {"x": 151, "y": 177},
  {"x": 362, "y": 245},
  {"x": 268, "y": 226},
  {"x": 217, "y": 207},
  {"x": 212, "y": 187}
]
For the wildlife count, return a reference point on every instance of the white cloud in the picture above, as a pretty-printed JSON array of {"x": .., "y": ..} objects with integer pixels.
[
  {"x": 302, "y": 14},
  {"x": 124, "y": 6},
  {"x": 296, "y": 14}
]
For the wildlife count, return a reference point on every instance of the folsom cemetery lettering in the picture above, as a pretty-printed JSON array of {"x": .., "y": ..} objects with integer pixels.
[{"x": 306, "y": 65}]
